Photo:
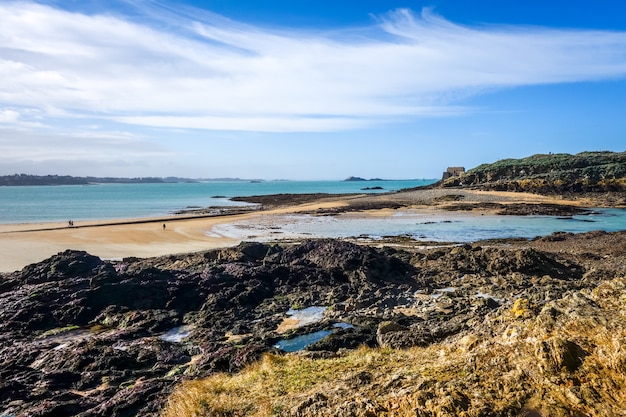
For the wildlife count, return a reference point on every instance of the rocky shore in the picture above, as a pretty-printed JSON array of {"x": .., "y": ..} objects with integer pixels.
[
  {"x": 530, "y": 327},
  {"x": 597, "y": 175}
]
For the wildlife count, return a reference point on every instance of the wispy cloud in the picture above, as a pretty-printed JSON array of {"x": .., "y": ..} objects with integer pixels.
[
  {"x": 78, "y": 151},
  {"x": 184, "y": 68}
]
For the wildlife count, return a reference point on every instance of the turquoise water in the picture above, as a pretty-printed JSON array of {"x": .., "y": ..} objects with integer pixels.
[
  {"x": 115, "y": 201},
  {"x": 440, "y": 227}
]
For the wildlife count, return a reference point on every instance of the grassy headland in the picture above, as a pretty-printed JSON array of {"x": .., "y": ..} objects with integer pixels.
[{"x": 586, "y": 172}]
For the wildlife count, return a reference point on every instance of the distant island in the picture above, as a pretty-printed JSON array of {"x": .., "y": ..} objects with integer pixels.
[
  {"x": 363, "y": 179},
  {"x": 27, "y": 179}
]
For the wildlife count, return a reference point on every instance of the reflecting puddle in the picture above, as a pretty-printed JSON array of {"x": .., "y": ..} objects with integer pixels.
[
  {"x": 441, "y": 291},
  {"x": 301, "y": 342},
  {"x": 73, "y": 334}
]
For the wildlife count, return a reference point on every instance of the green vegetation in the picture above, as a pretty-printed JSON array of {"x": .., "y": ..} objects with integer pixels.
[{"x": 552, "y": 173}]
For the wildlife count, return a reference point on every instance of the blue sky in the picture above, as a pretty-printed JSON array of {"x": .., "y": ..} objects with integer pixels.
[{"x": 305, "y": 89}]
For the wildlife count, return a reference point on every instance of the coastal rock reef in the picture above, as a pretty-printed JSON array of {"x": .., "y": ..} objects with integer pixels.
[{"x": 520, "y": 328}]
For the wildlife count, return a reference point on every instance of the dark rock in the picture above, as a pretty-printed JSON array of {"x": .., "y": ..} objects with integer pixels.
[
  {"x": 247, "y": 251},
  {"x": 74, "y": 323},
  {"x": 345, "y": 339},
  {"x": 68, "y": 264}
]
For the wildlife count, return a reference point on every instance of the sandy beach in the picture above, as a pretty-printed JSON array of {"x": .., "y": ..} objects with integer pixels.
[{"x": 23, "y": 244}]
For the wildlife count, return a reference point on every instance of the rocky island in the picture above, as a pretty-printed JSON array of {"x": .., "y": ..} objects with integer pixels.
[{"x": 329, "y": 327}]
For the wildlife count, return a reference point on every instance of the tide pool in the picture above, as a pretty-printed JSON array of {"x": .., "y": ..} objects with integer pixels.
[
  {"x": 440, "y": 227},
  {"x": 301, "y": 342}
]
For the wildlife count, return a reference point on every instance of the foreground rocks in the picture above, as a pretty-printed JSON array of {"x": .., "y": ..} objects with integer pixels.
[{"x": 82, "y": 336}]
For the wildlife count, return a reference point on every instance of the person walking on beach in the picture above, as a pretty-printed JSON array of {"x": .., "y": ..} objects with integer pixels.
[{"x": 163, "y": 226}]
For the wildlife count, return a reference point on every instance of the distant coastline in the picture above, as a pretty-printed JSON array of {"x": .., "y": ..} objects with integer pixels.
[{"x": 26, "y": 179}]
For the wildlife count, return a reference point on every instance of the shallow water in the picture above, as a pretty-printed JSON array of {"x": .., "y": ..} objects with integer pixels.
[
  {"x": 301, "y": 342},
  {"x": 441, "y": 227},
  {"x": 307, "y": 315},
  {"x": 66, "y": 337},
  {"x": 438, "y": 293}
]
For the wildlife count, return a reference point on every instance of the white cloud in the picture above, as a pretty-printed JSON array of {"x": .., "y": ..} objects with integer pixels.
[
  {"x": 14, "y": 118},
  {"x": 9, "y": 116},
  {"x": 88, "y": 147},
  {"x": 194, "y": 69}
]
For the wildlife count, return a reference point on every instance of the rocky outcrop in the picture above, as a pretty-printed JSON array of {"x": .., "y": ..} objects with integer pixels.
[
  {"x": 82, "y": 335},
  {"x": 552, "y": 346},
  {"x": 586, "y": 172},
  {"x": 79, "y": 335}
]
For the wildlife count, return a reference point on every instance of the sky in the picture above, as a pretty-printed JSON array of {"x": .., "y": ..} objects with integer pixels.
[{"x": 306, "y": 89}]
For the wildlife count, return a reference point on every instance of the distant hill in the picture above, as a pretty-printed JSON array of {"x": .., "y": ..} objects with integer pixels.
[
  {"x": 551, "y": 173},
  {"x": 24, "y": 179}
]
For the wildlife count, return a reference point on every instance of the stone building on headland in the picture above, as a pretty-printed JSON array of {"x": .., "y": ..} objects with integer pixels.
[{"x": 452, "y": 172}]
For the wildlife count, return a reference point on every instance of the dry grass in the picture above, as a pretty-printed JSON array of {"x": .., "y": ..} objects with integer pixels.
[
  {"x": 573, "y": 363},
  {"x": 279, "y": 383}
]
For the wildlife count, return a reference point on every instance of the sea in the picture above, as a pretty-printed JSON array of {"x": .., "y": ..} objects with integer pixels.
[
  {"x": 35, "y": 204},
  {"x": 38, "y": 204}
]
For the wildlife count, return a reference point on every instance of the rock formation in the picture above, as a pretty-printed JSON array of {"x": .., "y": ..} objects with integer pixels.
[
  {"x": 586, "y": 172},
  {"x": 83, "y": 336}
]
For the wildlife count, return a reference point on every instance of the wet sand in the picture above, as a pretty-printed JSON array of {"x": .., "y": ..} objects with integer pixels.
[{"x": 23, "y": 244}]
